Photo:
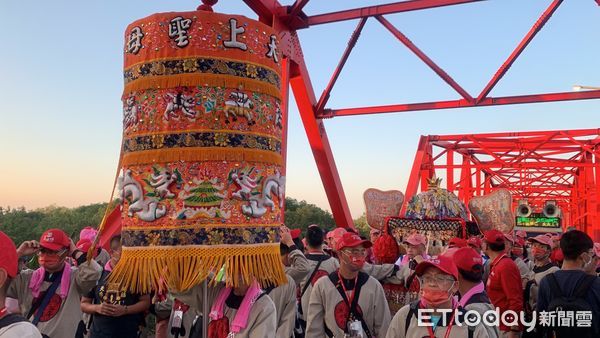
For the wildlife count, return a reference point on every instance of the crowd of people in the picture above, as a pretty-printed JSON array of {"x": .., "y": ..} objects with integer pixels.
[{"x": 337, "y": 286}]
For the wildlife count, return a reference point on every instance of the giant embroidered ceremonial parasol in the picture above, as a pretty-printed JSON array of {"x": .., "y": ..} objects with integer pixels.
[{"x": 202, "y": 171}]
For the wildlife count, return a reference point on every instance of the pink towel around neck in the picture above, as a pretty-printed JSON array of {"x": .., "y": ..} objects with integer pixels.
[
  {"x": 474, "y": 290},
  {"x": 108, "y": 267},
  {"x": 240, "y": 321},
  {"x": 38, "y": 278}
]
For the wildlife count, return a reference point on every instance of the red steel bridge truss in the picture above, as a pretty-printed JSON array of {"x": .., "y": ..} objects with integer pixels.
[
  {"x": 568, "y": 180},
  {"x": 562, "y": 165}
]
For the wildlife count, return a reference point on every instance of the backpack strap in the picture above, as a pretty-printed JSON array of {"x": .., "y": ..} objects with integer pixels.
[
  {"x": 412, "y": 311},
  {"x": 10, "y": 319},
  {"x": 308, "y": 282},
  {"x": 481, "y": 297},
  {"x": 584, "y": 285},
  {"x": 46, "y": 300},
  {"x": 527, "y": 291},
  {"x": 556, "y": 291},
  {"x": 360, "y": 281}
]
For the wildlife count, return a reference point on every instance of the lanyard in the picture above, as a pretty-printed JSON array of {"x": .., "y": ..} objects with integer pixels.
[
  {"x": 430, "y": 329},
  {"x": 345, "y": 292}
]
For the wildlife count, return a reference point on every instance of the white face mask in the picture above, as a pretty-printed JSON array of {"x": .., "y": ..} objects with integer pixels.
[{"x": 587, "y": 263}]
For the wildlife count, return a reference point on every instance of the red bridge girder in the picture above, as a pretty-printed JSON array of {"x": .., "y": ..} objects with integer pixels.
[
  {"x": 553, "y": 155},
  {"x": 574, "y": 181}
]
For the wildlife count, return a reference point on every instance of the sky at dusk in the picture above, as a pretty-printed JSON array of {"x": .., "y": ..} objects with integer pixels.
[{"x": 61, "y": 83}]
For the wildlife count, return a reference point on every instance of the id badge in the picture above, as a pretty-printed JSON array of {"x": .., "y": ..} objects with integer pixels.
[
  {"x": 355, "y": 329},
  {"x": 177, "y": 318}
]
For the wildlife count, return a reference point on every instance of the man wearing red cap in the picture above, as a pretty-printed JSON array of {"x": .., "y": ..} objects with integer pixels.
[
  {"x": 470, "y": 285},
  {"x": 436, "y": 313},
  {"x": 514, "y": 250},
  {"x": 295, "y": 263},
  {"x": 541, "y": 247},
  {"x": 348, "y": 301},
  {"x": 11, "y": 325},
  {"x": 49, "y": 296},
  {"x": 504, "y": 282},
  {"x": 284, "y": 296}
]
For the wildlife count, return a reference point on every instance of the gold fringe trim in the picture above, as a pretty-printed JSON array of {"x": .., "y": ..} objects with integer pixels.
[
  {"x": 201, "y": 154},
  {"x": 145, "y": 269},
  {"x": 212, "y": 80}
]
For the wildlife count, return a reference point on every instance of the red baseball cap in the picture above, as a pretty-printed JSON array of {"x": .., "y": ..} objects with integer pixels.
[
  {"x": 336, "y": 233},
  {"x": 8, "y": 255},
  {"x": 55, "y": 240},
  {"x": 494, "y": 236},
  {"x": 442, "y": 262},
  {"x": 416, "y": 239},
  {"x": 84, "y": 245},
  {"x": 468, "y": 259},
  {"x": 519, "y": 241},
  {"x": 542, "y": 239},
  {"x": 295, "y": 233},
  {"x": 521, "y": 233},
  {"x": 474, "y": 241},
  {"x": 352, "y": 240},
  {"x": 457, "y": 242}
]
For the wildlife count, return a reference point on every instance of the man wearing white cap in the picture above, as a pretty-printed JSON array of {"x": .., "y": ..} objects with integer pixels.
[{"x": 415, "y": 253}]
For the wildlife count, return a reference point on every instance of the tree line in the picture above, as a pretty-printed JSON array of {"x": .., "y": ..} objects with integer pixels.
[{"x": 22, "y": 225}]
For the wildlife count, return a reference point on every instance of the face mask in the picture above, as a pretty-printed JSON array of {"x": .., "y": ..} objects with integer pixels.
[
  {"x": 539, "y": 253},
  {"x": 587, "y": 263},
  {"x": 434, "y": 297},
  {"x": 48, "y": 259},
  {"x": 359, "y": 262},
  {"x": 517, "y": 251}
]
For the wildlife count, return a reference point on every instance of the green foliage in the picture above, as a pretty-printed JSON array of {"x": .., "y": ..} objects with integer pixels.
[
  {"x": 362, "y": 226},
  {"x": 22, "y": 225},
  {"x": 300, "y": 214}
]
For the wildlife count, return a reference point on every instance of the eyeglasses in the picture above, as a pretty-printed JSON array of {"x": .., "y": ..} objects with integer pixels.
[
  {"x": 50, "y": 252},
  {"x": 435, "y": 279},
  {"x": 355, "y": 252}
]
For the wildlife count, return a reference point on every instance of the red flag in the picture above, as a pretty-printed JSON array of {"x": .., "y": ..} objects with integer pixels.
[{"x": 111, "y": 228}]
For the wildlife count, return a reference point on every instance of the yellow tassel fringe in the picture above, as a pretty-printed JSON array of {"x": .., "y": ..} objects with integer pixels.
[
  {"x": 144, "y": 269},
  {"x": 201, "y": 154},
  {"x": 212, "y": 80}
]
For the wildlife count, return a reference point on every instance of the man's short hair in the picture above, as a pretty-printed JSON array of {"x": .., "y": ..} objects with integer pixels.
[
  {"x": 284, "y": 250},
  {"x": 474, "y": 276},
  {"x": 496, "y": 247},
  {"x": 573, "y": 243},
  {"x": 314, "y": 236}
]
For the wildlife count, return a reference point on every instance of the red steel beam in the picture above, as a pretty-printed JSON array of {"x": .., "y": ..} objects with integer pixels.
[
  {"x": 319, "y": 143},
  {"x": 520, "y": 134},
  {"x": 297, "y": 7},
  {"x": 437, "y": 69},
  {"x": 397, "y": 7},
  {"x": 520, "y": 48},
  {"x": 413, "y": 181},
  {"x": 351, "y": 43},
  {"x": 462, "y": 103}
]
